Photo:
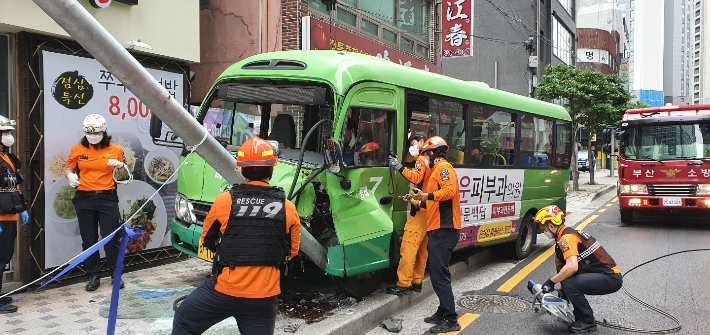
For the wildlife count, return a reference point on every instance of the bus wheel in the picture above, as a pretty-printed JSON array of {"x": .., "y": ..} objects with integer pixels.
[
  {"x": 627, "y": 216},
  {"x": 361, "y": 285},
  {"x": 523, "y": 245}
]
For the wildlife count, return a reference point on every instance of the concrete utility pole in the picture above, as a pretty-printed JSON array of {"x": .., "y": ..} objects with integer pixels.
[{"x": 85, "y": 29}]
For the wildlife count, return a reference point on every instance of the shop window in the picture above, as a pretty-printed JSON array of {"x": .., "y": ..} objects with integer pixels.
[
  {"x": 492, "y": 137},
  {"x": 422, "y": 51},
  {"x": 389, "y": 36},
  {"x": 535, "y": 141},
  {"x": 407, "y": 44},
  {"x": 347, "y": 17},
  {"x": 370, "y": 27}
]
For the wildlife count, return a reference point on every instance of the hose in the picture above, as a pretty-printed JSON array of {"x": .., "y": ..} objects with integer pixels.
[{"x": 657, "y": 310}]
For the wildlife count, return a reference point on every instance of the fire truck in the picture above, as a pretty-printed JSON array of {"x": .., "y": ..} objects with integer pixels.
[{"x": 664, "y": 161}]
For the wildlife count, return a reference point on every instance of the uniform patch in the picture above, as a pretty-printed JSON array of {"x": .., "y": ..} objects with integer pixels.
[
  {"x": 418, "y": 166},
  {"x": 444, "y": 174},
  {"x": 563, "y": 245},
  {"x": 83, "y": 157}
]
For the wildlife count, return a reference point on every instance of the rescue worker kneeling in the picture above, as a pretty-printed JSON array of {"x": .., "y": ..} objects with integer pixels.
[
  {"x": 583, "y": 267},
  {"x": 248, "y": 228}
]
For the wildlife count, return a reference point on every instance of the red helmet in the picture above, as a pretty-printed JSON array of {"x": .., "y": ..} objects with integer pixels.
[
  {"x": 256, "y": 152},
  {"x": 550, "y": 213},
  {"x": 369, "y": 148},
  {"x": 435, "y": 142}
]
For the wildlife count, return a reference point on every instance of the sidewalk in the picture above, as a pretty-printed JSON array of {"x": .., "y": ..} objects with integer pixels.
[{"x": 587, "y": 193}]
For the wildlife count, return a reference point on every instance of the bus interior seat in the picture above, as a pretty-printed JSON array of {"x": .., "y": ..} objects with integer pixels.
[
  {"x": 526, "y": 160},
  {"x": 284, "y": 131}
]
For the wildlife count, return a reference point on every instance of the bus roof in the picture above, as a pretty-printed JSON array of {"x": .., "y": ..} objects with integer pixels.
[{"x": 344, "y": 69}]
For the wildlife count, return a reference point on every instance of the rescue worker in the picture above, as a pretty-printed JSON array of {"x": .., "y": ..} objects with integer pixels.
[
  {"x": 253, "y": 230},
  {"x": 410, "y": 271},
  {"x": 443, "y": 226},
  {"x": 91, "y": 168},
  {"x": 583, "y": 267},
  {"x": 12, "y": 203}
]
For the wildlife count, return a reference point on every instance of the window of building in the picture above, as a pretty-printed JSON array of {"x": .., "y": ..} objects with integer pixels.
[
  {"x": 347, "y": 17},
  {"x": 697, "y": 46},
  {"x": 535, "y": 141},
  {"x": 389, "y": 36},
  {"x": 697, "y": 30},
  {"x": 697, "y": 37},
  {"x": 441, "y": 117},
  {"x": 567, "y": 5},
  {"x": 696, "y": 79},
  {"x": 696, "y": 62},
  {"x": 414, "y": 18},
  {"x": 4, "y": 75},
  {"x": 561, "y": 42},
  {"x": 696, "y": 95},
  {"x": 422, "y": 51},
  {"x": 696, "y": 71},
  {"x": 697, "y": 21},
  {"x": 370, "y": 27},
  {"x": 407, "y": 44},
  {"x": 697, "y": 13},
  {"x": 492, "y": 136},
  {"x": 697, "y": 54},
  {"x": 697, "y": 5},
  {"x": 696, "y": 87},
  {"x": 696, "y": 102}
]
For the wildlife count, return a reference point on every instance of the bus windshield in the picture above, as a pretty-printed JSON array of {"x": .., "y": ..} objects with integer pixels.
[{"x": 667, "y": 142}]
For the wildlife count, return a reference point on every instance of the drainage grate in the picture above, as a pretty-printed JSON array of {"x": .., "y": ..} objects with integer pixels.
[{"x": 494, "y": 304}]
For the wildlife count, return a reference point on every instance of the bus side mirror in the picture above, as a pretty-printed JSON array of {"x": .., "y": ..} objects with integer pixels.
[
  {"x": 156, "y": 126},
  {"x": 332, "y": 156}
]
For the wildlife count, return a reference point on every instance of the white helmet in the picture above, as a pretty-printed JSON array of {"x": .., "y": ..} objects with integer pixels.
[
  {"x": 94, "y": 123},
  {"x": 6, "y": 124}
]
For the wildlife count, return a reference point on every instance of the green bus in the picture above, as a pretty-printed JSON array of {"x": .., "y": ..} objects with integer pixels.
[{"x": 511, "y": 154}]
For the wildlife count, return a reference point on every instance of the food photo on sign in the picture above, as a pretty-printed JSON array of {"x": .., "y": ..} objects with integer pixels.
[{"x": 80, "y": 86}]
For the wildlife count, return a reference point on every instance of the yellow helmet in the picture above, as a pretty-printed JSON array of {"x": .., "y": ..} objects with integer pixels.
[{"x": 550, "y": 213}]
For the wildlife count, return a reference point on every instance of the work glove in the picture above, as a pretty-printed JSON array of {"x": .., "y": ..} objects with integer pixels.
[
  {"x": 25, "y": 217},
  {"x": 73, "y": 180},
  {"x": 394, "y": 164},
  {"x": 548, "y": 286},
  {"x": 417, "y": 194},
  {"x": 115, "y": 163}
]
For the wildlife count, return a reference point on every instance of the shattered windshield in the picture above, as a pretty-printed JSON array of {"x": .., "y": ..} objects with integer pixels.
[{"x": 667, "y": 142}]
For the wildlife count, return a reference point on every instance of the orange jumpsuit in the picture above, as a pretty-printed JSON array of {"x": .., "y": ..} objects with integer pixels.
[
  {"x": 413, "y": 250},
  {"x": 443, "y": 207}
]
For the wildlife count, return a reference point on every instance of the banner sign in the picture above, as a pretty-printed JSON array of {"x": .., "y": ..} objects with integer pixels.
[
  {"x": 322, "y": 36},
  {"x": 457, "y": 27},
  {"x": 75, "y": 87}
]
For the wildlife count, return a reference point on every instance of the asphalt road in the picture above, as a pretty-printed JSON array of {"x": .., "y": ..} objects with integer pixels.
[{"x": 675, "y": 284}]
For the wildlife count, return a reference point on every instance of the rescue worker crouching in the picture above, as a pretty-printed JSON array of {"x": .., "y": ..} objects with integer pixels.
[
  {"x": 443, "y": 227},
  {"x": 583, "y": 267},
  {"x": 248, "y": 229},
  {"x": 413, "y": 250},
  {"x": 12, "y": 203}
]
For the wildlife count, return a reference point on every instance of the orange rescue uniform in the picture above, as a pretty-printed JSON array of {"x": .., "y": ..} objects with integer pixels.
[
  {"x": 414, "y": 241},
  {"x": 443, "y": 205},
  {"x": 94, "y": 172},
  {"x": 569, "y": 245},
  {"x": 248, "y": 281}
]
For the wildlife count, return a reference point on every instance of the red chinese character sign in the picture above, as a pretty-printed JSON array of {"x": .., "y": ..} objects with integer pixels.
[
  {"x": 457, "y": 28},
  {"x": 76, "y": 87},
  {"x": 323, "y": 36}
]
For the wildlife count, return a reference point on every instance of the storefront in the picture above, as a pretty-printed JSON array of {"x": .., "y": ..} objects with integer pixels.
[{"x": 49, "y": 83}]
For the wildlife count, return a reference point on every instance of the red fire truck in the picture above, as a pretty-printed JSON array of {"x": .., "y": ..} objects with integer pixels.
[{"x": 664, "y": 160}]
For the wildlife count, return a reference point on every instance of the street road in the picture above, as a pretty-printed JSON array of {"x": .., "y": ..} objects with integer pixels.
[{"x": 676, "y": 284}]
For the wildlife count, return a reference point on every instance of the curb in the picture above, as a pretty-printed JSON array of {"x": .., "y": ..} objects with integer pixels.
[
  {"x": 594, "y": 196},
  {"x": 393, "y": 305}
]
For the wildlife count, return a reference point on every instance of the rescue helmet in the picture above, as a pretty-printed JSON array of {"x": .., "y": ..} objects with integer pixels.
[
  {"x": 369, "y": 148},
  {"x": 256, "y": 152},
  {"x": 6, "y": 124},
  {"x": 94, "y": 123},
  {"x": 417, "y": 136},
  {"x": 435, "y": 142},
  {"x": 550, "y": 213}
]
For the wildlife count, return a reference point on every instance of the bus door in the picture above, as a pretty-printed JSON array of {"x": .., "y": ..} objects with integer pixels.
[{"x": 362, "y": 207}]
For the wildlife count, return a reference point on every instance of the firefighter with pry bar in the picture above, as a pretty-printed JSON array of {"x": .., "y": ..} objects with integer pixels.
[
  {"x": 583, "y": 267},
  {"x": 443, "y": 227},
  {"x": 410, "y": 271},
  {"x": 253, "y": 230}
]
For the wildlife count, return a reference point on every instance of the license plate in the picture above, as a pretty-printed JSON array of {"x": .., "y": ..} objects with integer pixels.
[
  {"x": 672, "y": 202},
  {"x": 205, "y": 253}
]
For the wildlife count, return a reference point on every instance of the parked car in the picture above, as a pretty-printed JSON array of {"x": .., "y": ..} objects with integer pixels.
[{"x": 583, "y": 160}]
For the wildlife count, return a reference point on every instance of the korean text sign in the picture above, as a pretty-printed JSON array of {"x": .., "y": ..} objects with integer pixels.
[{"x": 457, "y": 28}]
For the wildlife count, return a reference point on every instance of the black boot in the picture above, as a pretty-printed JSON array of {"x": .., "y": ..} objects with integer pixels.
[
  {"x": 121, "y": 282},
  {"x": 8, "y": 309},
  {"x": 582, "y": 327},
  {"x": 5, "y": 300},
  {"x": 445, "y": 327},
  {"x": 398, "y": 290},
  {"x": 434, "y": 319},
  {"x": 417, "y": 287},
  {"x": 94, "y": 282}
]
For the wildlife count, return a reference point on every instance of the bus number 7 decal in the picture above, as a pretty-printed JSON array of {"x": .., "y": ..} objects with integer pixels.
[{"x": 377, "y": 181}]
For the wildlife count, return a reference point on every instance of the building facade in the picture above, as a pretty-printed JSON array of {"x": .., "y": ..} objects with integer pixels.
[
  {"x": 678, "y": 85},
  {"x": 49, "y": 83},
  {"x": 602, "y": 36},
  {"x": 506, "y": 35}
]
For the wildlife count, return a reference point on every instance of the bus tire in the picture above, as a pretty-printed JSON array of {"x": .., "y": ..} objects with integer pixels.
[
  {"x": 627, "y": 216},
  {"x": 359, "y": 286},
  {"x": 523, "y": 244}
]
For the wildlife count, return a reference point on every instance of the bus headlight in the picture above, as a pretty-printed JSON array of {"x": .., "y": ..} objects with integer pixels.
[
  {"x": 633, "y": 189},
  {"x": 703, "y": 189},
  {"x": 183, "y": 209}
]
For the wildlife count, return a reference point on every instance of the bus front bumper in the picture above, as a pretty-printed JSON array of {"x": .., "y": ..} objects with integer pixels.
[{"x": 185, "y": 237}]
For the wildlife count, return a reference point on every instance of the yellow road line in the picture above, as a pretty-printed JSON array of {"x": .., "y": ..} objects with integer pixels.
[
  {"x": 524, "y": 272},
  {"x": 615, "y": 199},
  {"x": 528, "y": 269},
  {"x": 608, "y": 205},
  {"x": 464, "y": 321},
  {"x": 602, "y": 210}
]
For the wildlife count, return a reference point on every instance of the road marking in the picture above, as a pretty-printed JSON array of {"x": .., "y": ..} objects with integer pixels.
[
  {"x": 608, "y": 205},
  {"x": 464, "y": 321},
  {"x": 602, "y": 210},
  {"x": 528, "y": 269},
  {"x": 615, "y": 199}
]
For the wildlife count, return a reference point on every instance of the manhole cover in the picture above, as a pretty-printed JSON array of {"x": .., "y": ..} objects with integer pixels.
[{"x": 494, "y": 304}]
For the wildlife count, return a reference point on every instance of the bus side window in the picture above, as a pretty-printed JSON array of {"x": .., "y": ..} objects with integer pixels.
[
  {"x": 563, "y": 149},
  {"x": 535, "y": 141},
  {"x": 492, "y": 137}
]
